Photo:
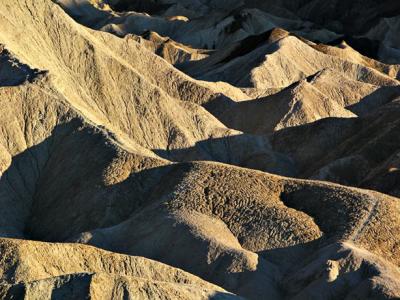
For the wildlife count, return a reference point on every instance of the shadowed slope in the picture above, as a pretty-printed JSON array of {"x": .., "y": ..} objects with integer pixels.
[
  {"x": 103, "y": 142},
  {"x": 76, "y": 271}
]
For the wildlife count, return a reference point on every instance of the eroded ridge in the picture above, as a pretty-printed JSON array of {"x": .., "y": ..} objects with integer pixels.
[{"x": 199, "y": 150}]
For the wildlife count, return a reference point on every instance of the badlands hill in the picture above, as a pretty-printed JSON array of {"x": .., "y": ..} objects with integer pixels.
[{"x": 175, "y": 149}]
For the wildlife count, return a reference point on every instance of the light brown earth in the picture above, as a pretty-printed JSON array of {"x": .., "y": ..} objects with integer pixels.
[{"x": 199, "y": 149}]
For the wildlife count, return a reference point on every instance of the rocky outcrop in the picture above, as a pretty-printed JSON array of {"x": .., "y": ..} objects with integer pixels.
[{"x": 138, "y": 142}]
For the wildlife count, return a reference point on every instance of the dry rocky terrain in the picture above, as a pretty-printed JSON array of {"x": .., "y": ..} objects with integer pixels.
[{"x": 176, "y": 149}]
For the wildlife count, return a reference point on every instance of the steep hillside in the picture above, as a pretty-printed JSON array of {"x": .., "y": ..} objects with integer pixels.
[{"x": 176, "y": 149}]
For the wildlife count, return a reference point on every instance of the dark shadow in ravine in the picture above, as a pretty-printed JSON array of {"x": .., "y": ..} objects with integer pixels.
[
  {"x": 220, "y": 57},
  {"x": 19, "y": 182},
  {"x": 222, "y": 296},
  {"x": 244, "y": 150},
  {"x": 261, "y": 116},
  {"x": 256, "y": 116},
  {"x": 57, "y": 188},
  {"x": 141, "y": 6},
  {"x": 13, "y": 72},
  {"x": 372, "y": 102},
  {"x": 343, "y": 147},
  {"x": 288, "y": 256}
]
